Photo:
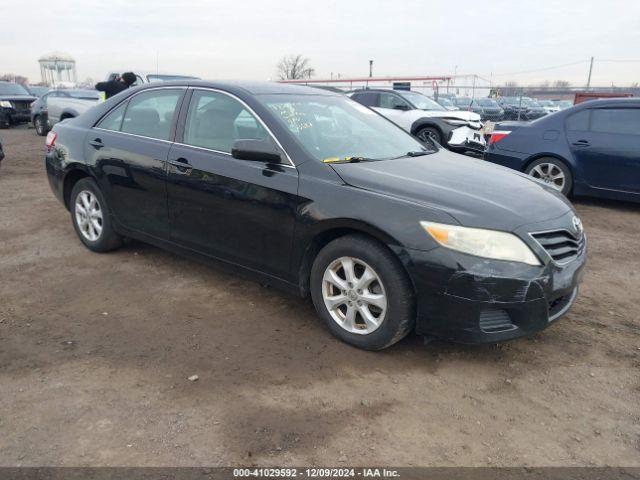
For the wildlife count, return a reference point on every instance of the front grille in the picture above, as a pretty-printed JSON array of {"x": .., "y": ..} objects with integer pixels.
[
  {"x": 492, "y": 321},
  {"x": 561, "y": 245},
  {"x": 21, "y": 106}
]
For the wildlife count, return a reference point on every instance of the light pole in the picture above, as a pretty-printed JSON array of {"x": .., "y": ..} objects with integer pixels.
[{"x": 370, "y": 68}]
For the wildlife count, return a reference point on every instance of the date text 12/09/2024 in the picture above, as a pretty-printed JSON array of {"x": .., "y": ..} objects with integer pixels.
[{"x": 315, "y": 473}]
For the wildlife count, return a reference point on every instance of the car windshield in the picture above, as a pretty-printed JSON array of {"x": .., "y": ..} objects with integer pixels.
[
  {"x": 487, "y": 102},
  {"x": 333, "y": 128},
  {"x": 167, "y": 78},
  {"x": 421, "y": 101},
  {"x": 510, "y": 100},
  {"x": 12, "y": 89},
  {"x": 463, "y": 101}
]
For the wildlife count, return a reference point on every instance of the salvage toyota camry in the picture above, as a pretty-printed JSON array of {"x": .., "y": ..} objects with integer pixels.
[{"x": 310, "y": 191}]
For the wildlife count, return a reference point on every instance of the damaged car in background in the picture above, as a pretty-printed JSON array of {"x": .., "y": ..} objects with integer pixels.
[
  {"x": 324, "y": 197},
  {"x": 426, "y": 119},
  {"x": 15, "y": 103}
]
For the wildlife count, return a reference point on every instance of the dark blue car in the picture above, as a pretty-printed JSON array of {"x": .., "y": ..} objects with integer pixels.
[{"x": 591, "y": 149}]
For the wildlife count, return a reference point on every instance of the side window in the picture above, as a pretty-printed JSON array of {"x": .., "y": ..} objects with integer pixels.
[
  {"x": 113, "y": 121},
  {"x": 578, "y": 122},
  {"x": 370, "y": 99},
  {"x": 624, "y": 121},
  {"x": 150, "y": 113},
  {"x": 389, "y": 100},
  {"x": 216, "y": 121}
]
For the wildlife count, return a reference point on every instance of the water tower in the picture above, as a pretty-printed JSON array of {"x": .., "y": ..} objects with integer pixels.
[{"x": 57, "y": 67}]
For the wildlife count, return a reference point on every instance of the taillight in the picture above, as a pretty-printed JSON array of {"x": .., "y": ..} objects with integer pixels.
[
  {"x": 498, "y": 135},
  {"x": 50, "y": 142}
]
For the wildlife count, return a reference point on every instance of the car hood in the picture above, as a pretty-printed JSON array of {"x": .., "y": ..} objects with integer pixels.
[
  {"x": 460, "y": 114},
  {"x": 476, "y": 193},
  {"x": 18, "y": 98}
]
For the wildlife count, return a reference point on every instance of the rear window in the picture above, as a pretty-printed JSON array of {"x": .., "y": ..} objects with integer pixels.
[{"x": 370, "y": 99}]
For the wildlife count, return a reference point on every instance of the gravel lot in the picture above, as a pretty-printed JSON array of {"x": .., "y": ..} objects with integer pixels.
[{"x": 95, "y": 351}]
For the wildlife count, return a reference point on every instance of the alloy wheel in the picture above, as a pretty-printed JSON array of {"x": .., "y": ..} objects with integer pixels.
[
  {"x": 426, "y": 135},
  {"x": 354, "y": 295},
  {"x": 39, "y": 125},
  {"x": 89, "y": 215},
  {"x": 550, "y": 174}
]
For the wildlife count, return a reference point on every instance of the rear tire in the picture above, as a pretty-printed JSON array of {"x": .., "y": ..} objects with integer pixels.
[
  {"x": 377, "y": 308},
  {"x": 553, "y": 172},
  {"x": 91, "y": 218}
]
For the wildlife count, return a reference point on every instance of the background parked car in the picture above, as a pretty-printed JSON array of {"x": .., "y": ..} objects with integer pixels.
[
  {"x": 533, "y": 109},
  {"x": 466, "y": 103},
  {"x": 426, "y": 119},
  {"x": 63, "y": 104},
  {"x": 490, "y": 110},
  {"x": 564, "y": 104},
  {"x": 589, "y": 149},
  {"x": 15, "y": 102},
  {"x": 37, "y": 91},
  {"x": 447, "y": 103},
  {"x": 39, "y": 115},
  {"x": 549, "y": 106}
]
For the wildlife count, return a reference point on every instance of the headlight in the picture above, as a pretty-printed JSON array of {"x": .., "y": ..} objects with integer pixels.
[
  {"x": 481, "y": 242},
  {"x": 5, "y": 104}
]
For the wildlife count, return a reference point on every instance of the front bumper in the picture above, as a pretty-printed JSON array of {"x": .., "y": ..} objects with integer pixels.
[
  {"x": 468, "y": 299},
  {"x": 465, "y": 138},
  {"x": 15, "y": 116}
]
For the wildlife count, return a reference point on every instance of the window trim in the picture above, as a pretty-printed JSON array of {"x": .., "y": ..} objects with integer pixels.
[{"x": 248, "y": 108}]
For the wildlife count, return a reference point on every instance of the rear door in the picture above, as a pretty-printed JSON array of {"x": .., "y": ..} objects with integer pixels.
[
  {"x": 129, "y": 149},
  {"x": 606, "y": 145}
]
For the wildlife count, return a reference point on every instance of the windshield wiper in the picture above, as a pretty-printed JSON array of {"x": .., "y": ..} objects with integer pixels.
[
  {"x": 419, "y": 153},
  {"x": 348, "y": 160}
]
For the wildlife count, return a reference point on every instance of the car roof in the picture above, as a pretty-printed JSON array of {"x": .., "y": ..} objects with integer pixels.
[
  {"x": 612, "y": 102},
  {"x": 251, "y": 87}
]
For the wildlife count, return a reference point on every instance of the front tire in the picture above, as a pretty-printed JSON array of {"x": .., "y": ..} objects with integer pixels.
[
  {"x": 362, "y": 293},
  {"x": 429, "y": 133},
  {"x": 91, "y": 219},
  {"x": 553, "y": 172},
  {"x": 40, "y": 124}
]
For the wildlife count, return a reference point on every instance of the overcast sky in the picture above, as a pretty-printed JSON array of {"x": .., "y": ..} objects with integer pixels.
[{"x": 244, "y": 39}]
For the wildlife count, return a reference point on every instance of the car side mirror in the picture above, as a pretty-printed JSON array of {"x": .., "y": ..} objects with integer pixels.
[
  {"x": 400, "y": 107},
  {"x": 256, "y": 150}
]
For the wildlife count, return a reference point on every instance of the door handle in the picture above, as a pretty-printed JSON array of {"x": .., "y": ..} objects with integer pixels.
[
  {"x": 581, "y": 143},
  {"x": 182, "y": 165},
  {"x": 96, "y": 143}
]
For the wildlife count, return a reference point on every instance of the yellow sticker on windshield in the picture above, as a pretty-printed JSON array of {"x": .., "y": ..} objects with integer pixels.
[{"x": 331, "y": 160}]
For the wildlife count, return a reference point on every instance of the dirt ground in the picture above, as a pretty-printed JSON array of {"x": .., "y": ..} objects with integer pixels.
[{"x": 95, "y": 351}]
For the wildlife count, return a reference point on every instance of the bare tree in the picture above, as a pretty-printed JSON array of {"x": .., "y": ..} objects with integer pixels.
[
  {"x": 12, "y": 77},
  {"x": 294, "y": 67},
  {"x": 510, "y": 89},
  {"x": 561, "y": 84}
]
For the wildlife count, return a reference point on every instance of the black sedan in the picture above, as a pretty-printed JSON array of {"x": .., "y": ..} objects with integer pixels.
[
  {"x": 310, "y": 191},
  {"x": 15, "y": 102}
]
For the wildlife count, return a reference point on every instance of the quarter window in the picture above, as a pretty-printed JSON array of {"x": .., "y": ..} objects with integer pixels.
[
  {"x": 113, "y": 121},
  {"x": 150, "y": 114},
  {"x": 578, "y": 122},
  {"x": 624, "y": 121},
  {"x": 215, "y": 121}
]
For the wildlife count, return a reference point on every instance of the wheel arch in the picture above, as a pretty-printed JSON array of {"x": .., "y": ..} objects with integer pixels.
[
  {"x": 426, "y": 122},
  {"x": 68, "y": 114},
  {"x": 538, "y": 156},
  {"x": 336, "y": 229},
  {"x": 72, "y": 177}
]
